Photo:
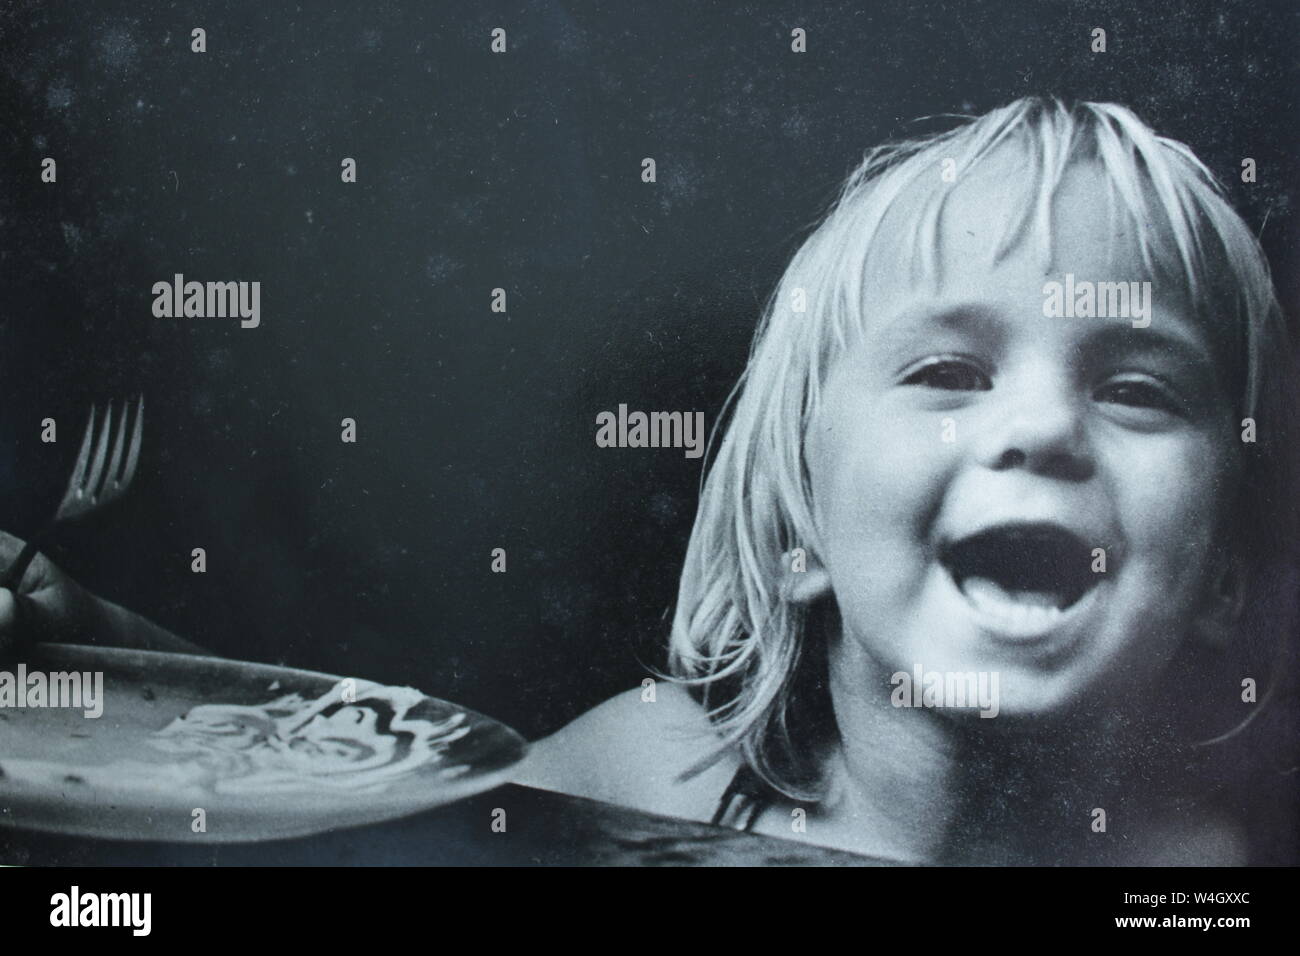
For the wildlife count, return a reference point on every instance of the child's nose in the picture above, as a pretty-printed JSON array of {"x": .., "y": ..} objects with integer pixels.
[{"x": 1040, "y": 428}]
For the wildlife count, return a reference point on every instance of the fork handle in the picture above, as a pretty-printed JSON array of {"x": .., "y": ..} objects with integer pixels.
[{"x": 13, "y": 575}]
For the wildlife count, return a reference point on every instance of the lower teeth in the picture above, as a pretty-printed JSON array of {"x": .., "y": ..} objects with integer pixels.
[{"x": 1027, "y": 607}]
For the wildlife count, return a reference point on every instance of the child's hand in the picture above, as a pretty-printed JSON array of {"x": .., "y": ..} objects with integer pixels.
[{"x": 51, "y": 606}]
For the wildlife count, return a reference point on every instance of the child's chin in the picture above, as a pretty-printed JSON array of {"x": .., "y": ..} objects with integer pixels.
[{"x": 1028, "y": 702}]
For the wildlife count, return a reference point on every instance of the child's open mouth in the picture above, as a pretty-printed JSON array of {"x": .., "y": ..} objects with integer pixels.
[{"x": 1021, "y": 577}]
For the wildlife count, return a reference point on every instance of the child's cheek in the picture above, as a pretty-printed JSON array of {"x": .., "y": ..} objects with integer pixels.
[
  {"x": 1169, "y": 500},
  {"x": 877, "y": 482},
  {"x": 874, "y": 458}
]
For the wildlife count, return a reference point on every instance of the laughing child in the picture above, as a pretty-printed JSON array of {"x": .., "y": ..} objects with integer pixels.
[{"x": 931, "y": 467}]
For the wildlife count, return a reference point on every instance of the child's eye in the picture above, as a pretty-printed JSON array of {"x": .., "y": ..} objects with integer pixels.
[
  {"x": 1140, "y": 393},
  {"x": 949, "y": 374}
]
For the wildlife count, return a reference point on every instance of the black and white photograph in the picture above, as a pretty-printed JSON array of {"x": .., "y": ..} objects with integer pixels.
[{"x": 610, "y": 434}]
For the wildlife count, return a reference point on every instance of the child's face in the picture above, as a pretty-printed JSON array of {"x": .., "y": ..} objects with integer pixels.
[{"x": 970, "y": 454}]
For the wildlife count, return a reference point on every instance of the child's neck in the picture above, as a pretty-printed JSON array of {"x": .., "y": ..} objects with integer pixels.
[{"x": 926, "y": 786}]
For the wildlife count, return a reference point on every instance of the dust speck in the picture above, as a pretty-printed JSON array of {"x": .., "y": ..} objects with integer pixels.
[
  {"x": 72, "y": 235},
  {"x": 58, "y": 95},
  {"x": 440, "y": 267},
  {"x": 118, "y": 51}
]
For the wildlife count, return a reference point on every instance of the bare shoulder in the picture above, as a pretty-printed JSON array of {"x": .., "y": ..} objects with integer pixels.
[{"x": 630, "y": 751}]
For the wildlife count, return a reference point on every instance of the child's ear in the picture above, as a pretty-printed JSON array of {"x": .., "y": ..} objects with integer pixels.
[
  {"x": 1218, "y": 617},
  {"x": 804, "y": 580}
]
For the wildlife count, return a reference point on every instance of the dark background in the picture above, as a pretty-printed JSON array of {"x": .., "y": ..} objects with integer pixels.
[{"x": 476, "y": 430}]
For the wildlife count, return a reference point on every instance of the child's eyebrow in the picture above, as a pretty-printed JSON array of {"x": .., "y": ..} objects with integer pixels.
[
  {"x": 901, "y": 329},
  {"x": 959, "y": 315},
  {"x": 1185, "y": 346}
]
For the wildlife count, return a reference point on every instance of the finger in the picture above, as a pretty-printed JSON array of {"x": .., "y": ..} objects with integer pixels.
[
  {"x": 8, "y": 622},
  {"x": 20, "y": 620},
  {"x": 8, "y": 611}
]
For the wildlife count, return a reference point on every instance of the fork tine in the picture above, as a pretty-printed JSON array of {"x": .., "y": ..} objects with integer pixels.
[
  {"x": 83, "y": 457},
  {"x": 115, "y": 459},
  {"x": 137, "y": 435},
  {"x": 96, "y": 476}
]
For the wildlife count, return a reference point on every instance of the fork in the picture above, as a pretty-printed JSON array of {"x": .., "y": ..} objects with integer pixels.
[{"x": 91, "y": 486}]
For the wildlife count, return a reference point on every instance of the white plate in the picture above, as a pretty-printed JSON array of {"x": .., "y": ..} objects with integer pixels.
[{"x": 117, "y": 777}]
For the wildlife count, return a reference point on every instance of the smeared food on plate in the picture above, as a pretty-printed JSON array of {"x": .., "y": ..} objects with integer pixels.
[{"x": 356, "y": 742}]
